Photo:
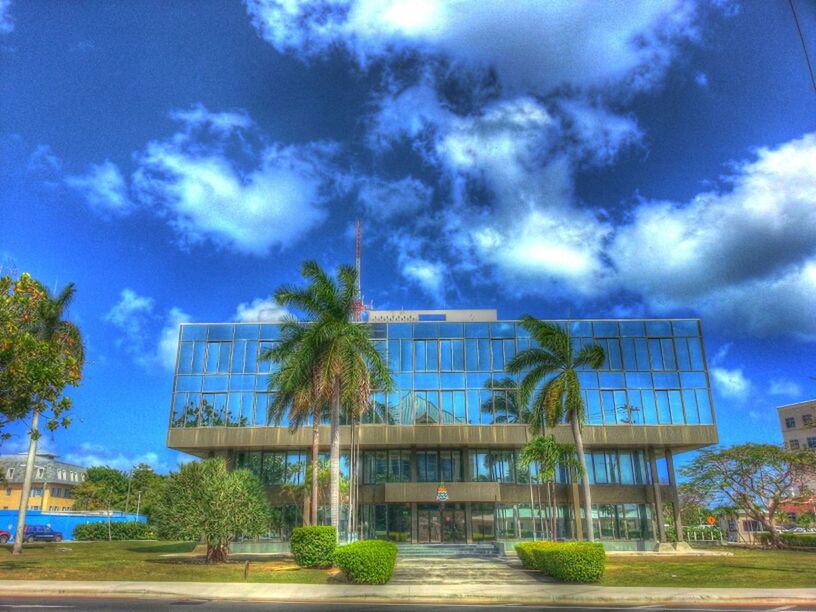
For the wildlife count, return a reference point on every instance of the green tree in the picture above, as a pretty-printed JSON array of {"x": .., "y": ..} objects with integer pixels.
[
  {"x": 145, "y": 490},
  {"x": 104, "y": 488},
  {"x": 755, "y": 478},
  {"x": 547, "y": 455},
  {"x": 551, "y": 388},
  {"x": 205, "y": 499},
  {"x": 331, "y": 358},
  {"x": 40, "y": 354}
]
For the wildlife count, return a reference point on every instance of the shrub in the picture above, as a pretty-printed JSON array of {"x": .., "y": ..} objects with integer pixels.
[
  {"x": 525, "y": 552},
  {"x": 804, "y": 540},
  {"x": 570, "y": 561},
  {"x": 118, "y": 531},
  {"x": 313, "y": 546},
  {"x": 367, "y": 561}
]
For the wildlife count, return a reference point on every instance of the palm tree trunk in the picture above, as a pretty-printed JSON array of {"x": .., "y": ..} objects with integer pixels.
[
  {"x": 579, "y": 447},
  {"x": 334, "y": 458},
  {"x": 29, "y": 476},
  {"x": 351, "y": 482},
  {"x": 315, "y": 467},
  {"x": 555, "y": 514}
]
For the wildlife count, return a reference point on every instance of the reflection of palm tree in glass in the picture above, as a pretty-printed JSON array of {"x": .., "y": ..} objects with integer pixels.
[{"x": 504, "y": 400}]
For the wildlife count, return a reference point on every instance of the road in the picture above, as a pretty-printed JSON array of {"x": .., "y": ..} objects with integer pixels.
[{"x": 46, "y": 604}]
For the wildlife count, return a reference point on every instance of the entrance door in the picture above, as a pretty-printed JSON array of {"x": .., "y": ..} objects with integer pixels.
[
  {"x": 429, "y": 524},
  {"x": 453, "y": 525}
]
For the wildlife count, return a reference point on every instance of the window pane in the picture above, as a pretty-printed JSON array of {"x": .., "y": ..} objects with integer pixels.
[
  {"x": 458, "y": 355},
  {"x": 667, "y": 347},
  {"x": 696, "y": 353}
]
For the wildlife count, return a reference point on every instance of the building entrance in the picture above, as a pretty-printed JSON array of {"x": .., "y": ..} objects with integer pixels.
[{"x": 441, "y": 524}]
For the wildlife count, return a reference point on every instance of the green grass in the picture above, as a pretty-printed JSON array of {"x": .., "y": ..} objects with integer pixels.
[
  {"x": 748, "y": 568},
  {"x": 143, "y": 561}
]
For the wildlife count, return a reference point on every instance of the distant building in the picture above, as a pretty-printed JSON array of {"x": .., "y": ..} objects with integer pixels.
[
  {"x": 52, "y": 488},
  {"x": 798, "y": 424}
]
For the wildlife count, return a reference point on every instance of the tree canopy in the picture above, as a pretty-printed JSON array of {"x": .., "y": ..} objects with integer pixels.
[
  {"x": 755, "y": 478},
  {"x": 206, "y": 499}
]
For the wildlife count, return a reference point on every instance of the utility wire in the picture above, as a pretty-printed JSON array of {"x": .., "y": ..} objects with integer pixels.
[{"x": 804, "y": 46}]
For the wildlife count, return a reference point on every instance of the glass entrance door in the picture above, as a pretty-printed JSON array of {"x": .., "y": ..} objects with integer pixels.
[
  {"x": 436, "y": 524},
  {"x": 453, "y": 525}
]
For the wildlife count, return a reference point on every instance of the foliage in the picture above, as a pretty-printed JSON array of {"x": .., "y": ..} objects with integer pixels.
[
  {"x": 551, "y": 388},
  {"x": 313, "y": 546},
  {"x": 40, "y": 354},
  {"x": 571, "y": 561},
  {"x": 525, "y": 552},
  {"x": 795, "y": 540},
  {"x": 205, "y": 499},
  {"x": 548, "y": 454},
  {"x": 331, "y": 360},
  {"x": 755, "y": 478},
  {"x": 133, "y": 530},
  {"x": 367, "y": 561},
  {"x": 105, "y": 487},
  {"x": 806, "y": 519}
]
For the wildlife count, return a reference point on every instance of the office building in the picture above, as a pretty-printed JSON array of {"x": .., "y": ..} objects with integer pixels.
[
  {"x": 52, "y": 488},
  {"x": 440, "y": 453}
]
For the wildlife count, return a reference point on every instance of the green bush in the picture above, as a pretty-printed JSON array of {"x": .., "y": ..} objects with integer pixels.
[
  {"x": 525, "y": 552},
  {"x": 313, "y": 546},
  {"x": 118, "y": 531},
  {"x": 803, "y": 540},
  {"x": 367, "y": 561},
  {"x": 568, "y": 561}
]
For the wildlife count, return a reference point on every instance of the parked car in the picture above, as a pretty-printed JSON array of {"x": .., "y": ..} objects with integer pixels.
[
  {"x": 41, "y": 533},
  {"x": 5, "y": 536}
]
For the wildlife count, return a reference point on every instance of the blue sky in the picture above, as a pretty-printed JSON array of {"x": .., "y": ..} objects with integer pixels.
[{"x": 178, "y": 160}]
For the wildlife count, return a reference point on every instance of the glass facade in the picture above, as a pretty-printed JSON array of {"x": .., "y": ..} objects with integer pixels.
[{"x": 453, "y": 373}]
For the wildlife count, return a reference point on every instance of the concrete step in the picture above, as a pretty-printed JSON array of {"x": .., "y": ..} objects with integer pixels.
[{"x": 447, "y": 550}]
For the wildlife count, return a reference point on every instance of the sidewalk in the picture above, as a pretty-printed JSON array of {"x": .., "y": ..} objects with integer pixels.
[{"x": 417, "y": 593}]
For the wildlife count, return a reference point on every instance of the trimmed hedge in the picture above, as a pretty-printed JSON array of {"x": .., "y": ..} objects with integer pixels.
[
  {"x": 133, "y": 530},
  {"x": 567, "y": 561},
  {"x": 367, "y": 561},
  {"x": 804, "y": 540},
  {"x": 313, "y": 546}
]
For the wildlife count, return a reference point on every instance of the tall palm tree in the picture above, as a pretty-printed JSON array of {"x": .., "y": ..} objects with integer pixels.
[
  {"x": 550, "y": 386},
  {"x": 330, "y": 358},
  {"x": 298, "y": 398},
  {"x": 48, "y": 326},
  {"x": 548, "y": 455}
]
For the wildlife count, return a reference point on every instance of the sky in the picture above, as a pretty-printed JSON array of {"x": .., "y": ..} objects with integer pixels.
[{"x": 179, "y": 160}]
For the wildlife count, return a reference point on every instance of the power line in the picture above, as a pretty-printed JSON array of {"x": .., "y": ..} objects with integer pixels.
[{"x": 804, "y": 46}]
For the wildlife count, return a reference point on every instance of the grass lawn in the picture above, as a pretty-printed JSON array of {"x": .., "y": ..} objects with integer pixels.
[
  {"x": 747, "y": 568},
  {"x": 142, "y": 561}
]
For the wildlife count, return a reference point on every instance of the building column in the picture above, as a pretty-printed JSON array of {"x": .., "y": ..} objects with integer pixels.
[
  {"x": 661, "y": 529},
  {"x": 414, "y": 520},
  {"x": 576, "y": 510},
  {"x": 678, "y": 525},
  {"x": 468, "y": 523}
]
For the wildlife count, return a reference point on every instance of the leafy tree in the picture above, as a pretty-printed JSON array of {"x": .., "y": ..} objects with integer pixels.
[
  {"x": 205, "y": 499},
  {"x": 40, "y": 354},
  {"x": 146, "y": 489},
  {"x": 806, "y": 519},
  {"x": 550, "y": 386},
  {"x": 104, "y": 488},
  {"x": 331, "y": 359},
  {"x": 755, "y": 478}
]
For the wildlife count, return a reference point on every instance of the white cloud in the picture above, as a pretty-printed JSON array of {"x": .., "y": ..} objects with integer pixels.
[
  {"x": 744, "y": 257},
  {"x": 428, "y": 275},
  {"x": 44, "y": 160},
  {"x": 132, "y": 315},
  {"x": 6, "y": 22},
  {"x": 167, "y": 347},
  {"x": 213, "y": 185},
  {"x": 731, "y": 383},
  {"x": 785, "y": 387},
  {"x": 531, "y": 45},
  {"x": 94, "y": 455},
  {"x": 103, "y": 188},
  {"x": 701, "y": 79},
  {"x": 383, "y": 200},
  {"x": 260, "y": 309}
]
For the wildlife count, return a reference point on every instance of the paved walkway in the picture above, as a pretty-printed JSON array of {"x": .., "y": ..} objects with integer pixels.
[
  {"x": 472, "y": 570},
  {"x": 491, "y": 594}
]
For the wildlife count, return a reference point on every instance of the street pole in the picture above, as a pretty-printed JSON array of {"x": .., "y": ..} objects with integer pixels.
[
  {"x": 29, "y": 473},
  {"x": 138, "y": 503}
]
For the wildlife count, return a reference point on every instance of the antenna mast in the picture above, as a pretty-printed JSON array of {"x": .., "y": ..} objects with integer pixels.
[{"x": 358, "y": 300}]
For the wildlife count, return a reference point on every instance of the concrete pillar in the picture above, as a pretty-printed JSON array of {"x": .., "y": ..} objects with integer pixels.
[
  {"x": 661, "y": 529},
  {"x": 414, "y": 521},
  {"x": 678, "y": 525},
  {"x": 468, "y": 523},
  {"x": 575, "y": 497}
]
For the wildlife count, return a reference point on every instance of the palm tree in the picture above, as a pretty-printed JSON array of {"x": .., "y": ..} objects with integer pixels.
[
  {"x": 331, "y": 359},
  {"x": 48, "y": 326},
  {"x": 548, "y": 455},
  {"x": 550, "y": 386}
]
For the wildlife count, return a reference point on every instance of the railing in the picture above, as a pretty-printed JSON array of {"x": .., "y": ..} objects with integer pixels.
[{"x": 701, "y": 534}]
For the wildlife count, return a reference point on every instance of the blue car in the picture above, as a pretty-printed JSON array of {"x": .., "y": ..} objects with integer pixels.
[{"x": 41, "y": 533}]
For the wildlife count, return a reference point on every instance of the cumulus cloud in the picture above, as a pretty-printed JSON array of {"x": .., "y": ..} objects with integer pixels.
[
  {"x": 6, "y": 22},
  {"x": 215, "y": 183},
  {"x": 531, "y": 45},
  {"x": 744, "y": 255},
  {"x": 104, "y": 189},
  {"x": 731, "y": 383},
  {"x": 428, "y": 275},
  {"x": 383, "y": 200},
  {"x": 784, "y": 387},
  {"x": 90, "y": 454},
  {"x": 150, "y": 338},
  {"x": 259, "y": 309}
]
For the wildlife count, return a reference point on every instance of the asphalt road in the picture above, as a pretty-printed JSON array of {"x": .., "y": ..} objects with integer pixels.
[{"x": 46, "y": 604}]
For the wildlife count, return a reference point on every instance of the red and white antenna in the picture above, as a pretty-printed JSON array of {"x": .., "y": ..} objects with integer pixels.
[{"x": 358, "y": 300}]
